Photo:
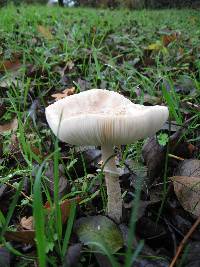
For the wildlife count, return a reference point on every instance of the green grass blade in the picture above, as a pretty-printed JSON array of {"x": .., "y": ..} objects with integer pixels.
[
  {"x": 172, "y": 104},
  {"x": 39, "y": 218},
  {"x": 58, "y": 218},
  {"x": 11, "y": 208},
  {"x": 107, "y": 252},
  {"x": 69, "y": 227}
]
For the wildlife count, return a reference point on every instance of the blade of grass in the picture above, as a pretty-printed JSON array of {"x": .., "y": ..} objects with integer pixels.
[
  {"x": 39, "y": 218},
  {"x": 69, "y": 227},
  {"x": 2, "y": 219},
  {"x": 58, "y": 217},
  {"x": 12, "y": 208},
  {"x": 137, "y": 251},
  {"x": 172, "y": 104},
  {"x": 107, "y": 252}
]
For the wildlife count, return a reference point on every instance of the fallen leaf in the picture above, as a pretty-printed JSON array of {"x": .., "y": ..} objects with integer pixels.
[
  {"x": 154, "y": 157},
  {"x": 187, "y": 189},
  {"x": 10, "y": 65},
  {"x": 26, "y": 237},
  {"x": 63, "y": 185},
  {"x": 72, "y": 256},
  {"x": 155, "y": 46},
  {"x": 37, "y": 151},
  {"x": 65, "y": 93},
  {"x": 143, "y": 205},
  {"x": 158, "y": 46},
  {"x": 188, "y": 167},
  {"x": 13, "y": 125},
  {"x": 167, "y": 39},
  {"x": 94, "y": 230},
  {"x": 154, "y": 154},
  {"x": 65, "y": 207},
  {"x": 192, "y": 148},
  {"x": 45, "y": 32},
  {"x": 27, "y": 223},
  {"x": 147, "y": 228}
]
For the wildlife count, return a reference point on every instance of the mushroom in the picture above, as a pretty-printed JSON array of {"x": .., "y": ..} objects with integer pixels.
[{"x": 105, "y": 118}]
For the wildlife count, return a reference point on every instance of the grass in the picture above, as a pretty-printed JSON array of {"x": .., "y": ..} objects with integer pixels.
[{"x": 94, "y": 49}]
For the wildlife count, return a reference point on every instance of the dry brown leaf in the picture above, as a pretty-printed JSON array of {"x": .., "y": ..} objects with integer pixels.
[
  {"x": 45, "y": 32},
  {"x": 187, "y": 189},
  {"x": 192, "y": 148},
  {"x": 65, "y": 207},
  {"x": 26, "y": 237},
  {"x": 36, "y": 151},
  {"x": 13, "y": 125},
  {"x": 65, "y": 210},
  {"x": 188, "y": 167},
  {"x": 154, "y": 157},
  {"x": 63, "y": 94},
  {"x": 10, "y": 64},
  {"x": 167, "y": 39},
  {"x": 27, "y": 223},
  {"x": 63, "y": 185}
]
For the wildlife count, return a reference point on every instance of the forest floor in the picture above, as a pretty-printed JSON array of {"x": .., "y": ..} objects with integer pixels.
[{"x": 52, "y": 194}]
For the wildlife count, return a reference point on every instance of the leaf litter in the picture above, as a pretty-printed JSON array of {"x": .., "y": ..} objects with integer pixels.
[{"x": 64, "y": 93}]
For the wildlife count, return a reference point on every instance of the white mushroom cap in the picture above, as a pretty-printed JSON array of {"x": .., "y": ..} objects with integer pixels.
[{"x": 98, "y": 116}]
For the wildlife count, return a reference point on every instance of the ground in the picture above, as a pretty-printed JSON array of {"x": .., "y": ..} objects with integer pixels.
[{"x": 53, "y": 198}]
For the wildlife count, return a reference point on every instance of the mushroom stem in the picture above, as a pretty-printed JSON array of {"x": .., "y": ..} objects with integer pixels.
[{"x": 114, "y": 207}]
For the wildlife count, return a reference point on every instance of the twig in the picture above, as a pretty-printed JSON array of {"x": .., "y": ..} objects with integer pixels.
[
  {"x": 175, "y": 157},
  {"x": 192, "y": 105},
  {"x": 185, "y": 239}
]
